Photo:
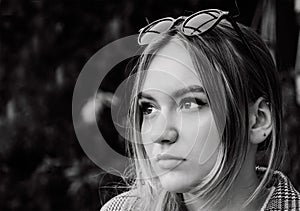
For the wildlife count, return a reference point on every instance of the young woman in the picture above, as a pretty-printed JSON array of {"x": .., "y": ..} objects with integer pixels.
[{"x": 206, "y": 101}]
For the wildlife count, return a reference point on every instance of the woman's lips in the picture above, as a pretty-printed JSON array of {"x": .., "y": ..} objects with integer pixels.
[
  {"x": 168, "y": 157},
  {"x": 167, "y": 161}
]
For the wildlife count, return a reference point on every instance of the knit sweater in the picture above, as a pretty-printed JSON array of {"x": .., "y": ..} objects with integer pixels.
[{"x": 283, "y": 196}]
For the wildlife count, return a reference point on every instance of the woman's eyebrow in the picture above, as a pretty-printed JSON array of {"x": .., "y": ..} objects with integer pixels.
[
  {"x": 185, "y": 90},
  {"x": 177, "y": 93}
]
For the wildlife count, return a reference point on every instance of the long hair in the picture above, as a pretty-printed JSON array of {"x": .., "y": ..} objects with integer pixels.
[{"x": 242, "y": 80}]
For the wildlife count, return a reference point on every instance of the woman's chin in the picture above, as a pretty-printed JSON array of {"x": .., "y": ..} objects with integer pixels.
[{"x": 175, "y": 186}]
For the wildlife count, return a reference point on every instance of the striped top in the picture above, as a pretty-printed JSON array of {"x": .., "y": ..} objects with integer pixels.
[{"x": 283, "y": 196}]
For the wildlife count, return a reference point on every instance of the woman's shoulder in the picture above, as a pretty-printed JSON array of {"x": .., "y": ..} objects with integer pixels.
[
  {"x": 284, "y": 196},
  {"x": 123, "y": 201}
]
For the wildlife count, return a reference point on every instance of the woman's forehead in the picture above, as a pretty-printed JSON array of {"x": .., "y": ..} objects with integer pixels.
[
  {"x": 171, "y": 68},
  {"x": 173, "y": 52}
]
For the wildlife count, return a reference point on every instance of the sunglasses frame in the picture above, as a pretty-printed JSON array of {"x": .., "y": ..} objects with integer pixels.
[{"x": 223, "y": 15}]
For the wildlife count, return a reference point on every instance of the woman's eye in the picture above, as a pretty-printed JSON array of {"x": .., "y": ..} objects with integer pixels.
[
  {"x": 147, "y": 108},
  {"x": 191, "y": 103}
]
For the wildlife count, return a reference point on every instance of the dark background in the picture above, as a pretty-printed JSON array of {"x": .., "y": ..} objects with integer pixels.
[{"x": 43, "y": 46}]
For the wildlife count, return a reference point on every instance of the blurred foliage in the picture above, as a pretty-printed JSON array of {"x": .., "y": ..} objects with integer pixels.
[{"x": 43, "y": 46}]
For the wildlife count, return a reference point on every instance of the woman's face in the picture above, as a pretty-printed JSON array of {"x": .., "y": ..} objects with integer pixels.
[{"x": 178, "y": 129}]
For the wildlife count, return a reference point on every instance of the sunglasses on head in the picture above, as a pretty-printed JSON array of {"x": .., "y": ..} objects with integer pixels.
[{"x": 195, "y": 24}]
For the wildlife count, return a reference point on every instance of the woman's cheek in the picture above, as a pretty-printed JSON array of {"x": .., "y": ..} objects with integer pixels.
[
  {"x": 202, "y": 139},
  {"x": 146, "y": 135},
  {"x": 146, "y": 131}
]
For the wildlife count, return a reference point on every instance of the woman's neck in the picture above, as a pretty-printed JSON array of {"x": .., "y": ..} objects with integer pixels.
[{"x": 242, "y": 188}]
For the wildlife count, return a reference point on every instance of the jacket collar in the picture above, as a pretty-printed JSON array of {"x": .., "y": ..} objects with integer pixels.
[{"x": 284, "y": 196}]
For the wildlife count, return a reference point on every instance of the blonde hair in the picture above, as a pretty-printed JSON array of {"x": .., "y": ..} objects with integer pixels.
[{"x": 243, "y": 80}]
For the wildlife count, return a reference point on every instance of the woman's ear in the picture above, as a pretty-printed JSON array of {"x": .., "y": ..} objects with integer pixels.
[{"x": 260, "y": 121}]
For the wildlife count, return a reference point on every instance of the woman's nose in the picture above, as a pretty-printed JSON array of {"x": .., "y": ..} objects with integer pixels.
[
  {"x": 168, "y": 136},
  {"x": 167, "y": 129}
]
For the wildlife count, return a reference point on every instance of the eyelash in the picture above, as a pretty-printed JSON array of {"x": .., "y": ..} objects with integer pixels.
[
  {"x": 197, "y": 101},
  {"x": 146, "y": 105}
]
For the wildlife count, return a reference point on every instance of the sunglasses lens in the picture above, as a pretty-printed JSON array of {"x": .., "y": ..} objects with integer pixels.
[
  {"x": 152, "y": 31},
  {"x": 201, "y": 22}
]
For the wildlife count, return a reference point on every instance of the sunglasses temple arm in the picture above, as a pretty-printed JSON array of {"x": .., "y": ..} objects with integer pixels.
[
  {"x": 237, "y": 9},
  {"x": 240, "y": 33}
]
